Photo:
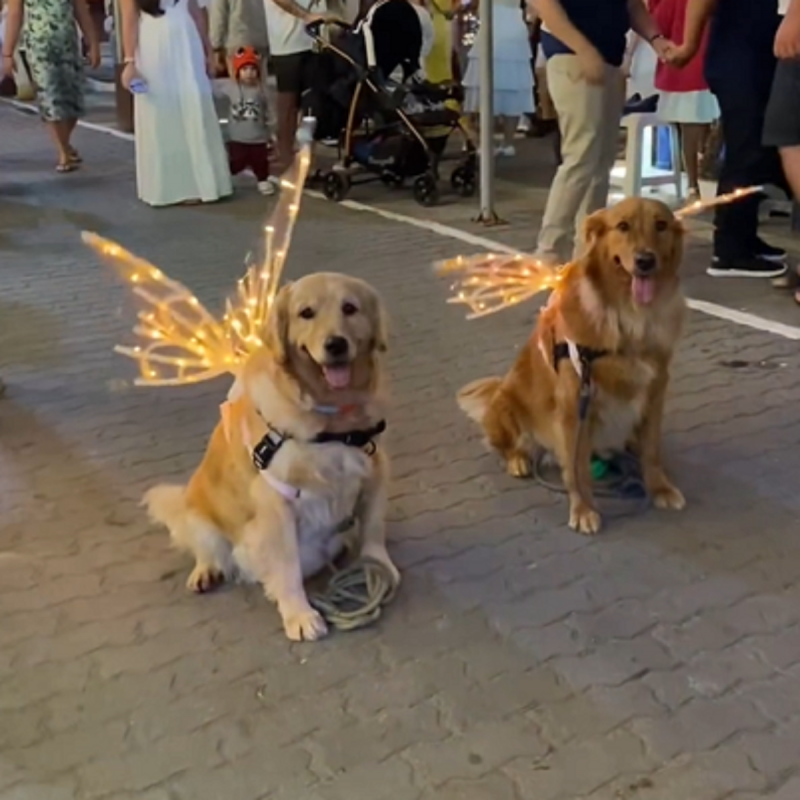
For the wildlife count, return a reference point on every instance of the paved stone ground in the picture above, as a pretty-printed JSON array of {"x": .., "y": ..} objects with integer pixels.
[{"x": 659, "y": 661}]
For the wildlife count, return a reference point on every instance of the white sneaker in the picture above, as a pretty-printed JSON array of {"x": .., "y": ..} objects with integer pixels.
[
  {"x": 267, "y": 187},
  {"x": 506, "y": 151}
]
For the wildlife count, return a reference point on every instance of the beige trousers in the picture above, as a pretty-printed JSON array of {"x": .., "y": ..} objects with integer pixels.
[{"x": 589, "y": 120}]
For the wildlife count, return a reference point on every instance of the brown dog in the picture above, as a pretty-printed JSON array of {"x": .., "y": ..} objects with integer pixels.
[
  {"x": 594, "y": 374},
  {"x": 308, "y": 406}
]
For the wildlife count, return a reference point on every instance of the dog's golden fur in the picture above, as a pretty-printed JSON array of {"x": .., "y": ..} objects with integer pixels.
[
  {"x": 623, "y": 297},
  {"x": 235, "y": 522}
]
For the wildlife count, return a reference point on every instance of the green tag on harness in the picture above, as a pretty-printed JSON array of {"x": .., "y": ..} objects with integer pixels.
[{"x": 599, "y": 468}]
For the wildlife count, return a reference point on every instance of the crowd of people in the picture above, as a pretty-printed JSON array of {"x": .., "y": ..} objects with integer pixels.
[{"x": 736, "y": 60}]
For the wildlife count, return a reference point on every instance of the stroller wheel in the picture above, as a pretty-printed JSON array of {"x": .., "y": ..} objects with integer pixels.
[
  {"x": 336, "y": 186},
  {"x": 462, "y": 179},
  {"x": 426, "y": 193}
]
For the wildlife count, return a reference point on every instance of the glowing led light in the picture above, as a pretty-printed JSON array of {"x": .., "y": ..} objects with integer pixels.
[
  {"x": 179, "y": 341},
  {"x": 490, "y": 282}
]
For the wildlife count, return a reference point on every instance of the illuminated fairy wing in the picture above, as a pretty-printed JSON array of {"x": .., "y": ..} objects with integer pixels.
[
  {"x": 491, "y": 282},
  {"x": 246, "y": 312},
  {"x": 178, "y": 340}
]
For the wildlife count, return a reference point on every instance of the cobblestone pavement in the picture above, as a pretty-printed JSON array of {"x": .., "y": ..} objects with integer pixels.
[{"x": 659, "y": 661}]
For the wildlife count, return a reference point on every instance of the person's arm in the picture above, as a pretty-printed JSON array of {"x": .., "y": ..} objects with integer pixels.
[
  {"x": 290, "y": 7},
  {"x": 86, "y": 24},
  {"x": 559, "y": 24},
  {"x": 14, "y": 16},
  {"x": 129, "y": 17},
  {"x": 642, "y": 22},
  {"x": 698, "y": 13},
  {"x": 219, "y": 22},
  {"x": 787, "y": 40}
]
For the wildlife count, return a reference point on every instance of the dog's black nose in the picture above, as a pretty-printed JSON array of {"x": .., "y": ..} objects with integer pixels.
[
  {"x": 645, "y": 262},
  {"x": 336, "y": 346}
]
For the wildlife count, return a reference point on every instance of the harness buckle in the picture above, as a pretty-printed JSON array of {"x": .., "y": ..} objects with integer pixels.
[{"x": 265, "y": 450}]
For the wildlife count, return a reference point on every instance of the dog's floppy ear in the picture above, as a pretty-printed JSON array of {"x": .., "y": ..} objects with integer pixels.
[
  {"x": 379, "y": 319},
  {"x": 594, "y": 228},
  {"x": 277, "y": 332}
]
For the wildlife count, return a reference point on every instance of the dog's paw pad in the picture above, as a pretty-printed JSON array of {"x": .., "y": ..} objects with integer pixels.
[
  {"x": 669, "y": 498},
  {"x": 305, "y": 626},
  {"x": 585, "y": 520},
  {"x": 519, "y": 466},
  {"x": 204, "y": 579}
]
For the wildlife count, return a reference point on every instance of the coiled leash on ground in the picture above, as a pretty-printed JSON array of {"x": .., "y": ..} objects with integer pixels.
[{"x": 355, "y": 595}]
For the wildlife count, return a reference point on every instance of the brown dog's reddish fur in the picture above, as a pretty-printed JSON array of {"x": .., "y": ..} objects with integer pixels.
[{"x": 595, "y": 306}]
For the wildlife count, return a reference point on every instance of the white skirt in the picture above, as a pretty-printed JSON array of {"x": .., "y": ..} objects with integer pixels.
[
  {"x": 180, "y": 153},
  {"x": 689, "y": 108},
  {"x": 513, "y": 75}
]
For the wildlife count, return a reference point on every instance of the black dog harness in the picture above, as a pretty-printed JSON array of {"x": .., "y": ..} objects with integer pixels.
[{"x": 582, "y": 359}]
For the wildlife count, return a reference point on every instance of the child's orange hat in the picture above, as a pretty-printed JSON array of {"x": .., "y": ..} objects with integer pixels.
[{"x": 245, "y": 57}]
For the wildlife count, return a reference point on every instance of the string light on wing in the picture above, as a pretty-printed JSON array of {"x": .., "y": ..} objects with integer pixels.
[
  {"x": 178, "y": 340},
  {"x": 490, "y": 282}
]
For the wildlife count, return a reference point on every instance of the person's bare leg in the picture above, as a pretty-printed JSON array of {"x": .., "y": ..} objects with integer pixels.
[
  {"x": 790, "y": 158},
  {"x": 692, "y": 140},
  {"x": 60, "y": 132}
]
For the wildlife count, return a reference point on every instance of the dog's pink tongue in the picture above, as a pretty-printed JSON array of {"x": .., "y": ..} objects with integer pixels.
[
  {"x": 337, "y": 377},
  {"x": 644, "y": 290}
]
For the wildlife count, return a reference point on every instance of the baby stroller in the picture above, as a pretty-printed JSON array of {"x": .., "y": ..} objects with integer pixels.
[{"x": 390, "y": 125}]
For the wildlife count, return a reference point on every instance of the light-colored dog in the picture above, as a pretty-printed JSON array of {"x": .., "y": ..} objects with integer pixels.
[
  {"x": 310, "y": 405},
  {"x": 615, "y": 319}
]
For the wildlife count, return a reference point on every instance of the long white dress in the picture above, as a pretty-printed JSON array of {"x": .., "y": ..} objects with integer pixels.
[
  {"x": 180, "y": 153},
  {"x": 513, "y": 74}
]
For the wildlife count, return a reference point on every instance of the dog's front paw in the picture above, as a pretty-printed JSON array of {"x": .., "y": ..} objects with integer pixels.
[
  {"x": 304, "y": 625},
  {"x": 204, "y": 578},
  {"x": 519, "y": 466},
  {"x": 584, "y": 519},
  {"x": 667, "y": 496}
]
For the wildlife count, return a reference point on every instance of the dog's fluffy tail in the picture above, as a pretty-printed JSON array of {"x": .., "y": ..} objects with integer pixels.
[
  {"x": 475, "y": 398},
  {"x": 167, "y": 504}
]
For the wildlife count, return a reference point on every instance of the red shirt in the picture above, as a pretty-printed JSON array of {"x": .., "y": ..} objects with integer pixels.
[{"x": 670, "y": 16}]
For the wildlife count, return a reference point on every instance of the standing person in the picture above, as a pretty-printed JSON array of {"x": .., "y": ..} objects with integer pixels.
[
  {"x": 293, "y": 63},
  {"x": 513, "y": 78},
  {"x": 235, "y": 24},
  {"x": 438, "y": 62},
  {"x": 248, "y": 133},
  {"x": 584, "y": 42},
  {"x": 53, "y": 51},
  {"x": 684, "y": 96},
  {"x": 739, "y": 68},
  {"x": 180, "y": 155}
]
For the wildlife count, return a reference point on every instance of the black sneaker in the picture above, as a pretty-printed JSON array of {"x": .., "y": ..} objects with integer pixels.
[
  {"x": 765, "y": 250},
  {"x": 757, "y": 267}
]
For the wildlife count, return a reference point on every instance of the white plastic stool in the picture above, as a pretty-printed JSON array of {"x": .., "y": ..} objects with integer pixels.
[{"x": 639, "y": 174}]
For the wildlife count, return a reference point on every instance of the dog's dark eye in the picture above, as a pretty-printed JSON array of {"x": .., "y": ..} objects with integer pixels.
[
  {"x": 348, "y": 309},
  {"x": 623, "y": 227},
  {"x": 307, "y": 313},
  {"x": 661, "y": 225}
]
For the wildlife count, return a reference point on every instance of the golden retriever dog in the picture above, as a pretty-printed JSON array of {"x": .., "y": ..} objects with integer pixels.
[
  {"x": 307, "y": 407},
  {"x": 593, "y": 376}
]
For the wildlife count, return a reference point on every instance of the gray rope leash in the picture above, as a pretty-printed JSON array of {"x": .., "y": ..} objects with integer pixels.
[{"x": 355, "y": 595}]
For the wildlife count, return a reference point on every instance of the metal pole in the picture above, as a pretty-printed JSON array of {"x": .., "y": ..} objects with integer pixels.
[{"x": 486, "y": 60}]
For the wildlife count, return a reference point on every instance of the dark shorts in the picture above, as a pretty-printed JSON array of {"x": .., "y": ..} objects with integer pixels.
[
  {"x": 294, "y": 74},
  {"x": 782, "y": 122}
]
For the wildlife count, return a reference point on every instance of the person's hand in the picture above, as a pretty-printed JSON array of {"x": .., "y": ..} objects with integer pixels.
[
  {"x": 7, "y": 70},
  {"x": 93, "y": 56},
  {"x": 220, "y": 64},
  {"x": 129, "y": 74},
  {"x": 664, "y": 48},
  {"x": 593, "y": 66},
  {"x": 680, "y": 55},
  {"x": 787, "y": 40}
]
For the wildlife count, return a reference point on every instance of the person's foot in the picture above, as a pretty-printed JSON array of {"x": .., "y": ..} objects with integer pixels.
[
  {"x": 506, "y": 151},
  {"x": 770, "y": 252},
  {"x": 268, "y": 187},
  {"x": 755, "y": 267},
  {"x": 66, "y": 166},
  {"x": 73, "y": 156}
]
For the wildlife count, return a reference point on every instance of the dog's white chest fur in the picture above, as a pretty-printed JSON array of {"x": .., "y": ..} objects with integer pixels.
[{"x": 321, "y": 510}]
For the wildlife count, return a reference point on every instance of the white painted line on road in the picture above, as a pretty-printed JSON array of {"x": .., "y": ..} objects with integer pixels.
[{"x": 742, "y": 318}]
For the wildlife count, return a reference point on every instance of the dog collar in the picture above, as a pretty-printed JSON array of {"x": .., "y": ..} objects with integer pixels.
[
  {"x": 334, "y": 411},
  {"x": 363, "y": 439}
]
